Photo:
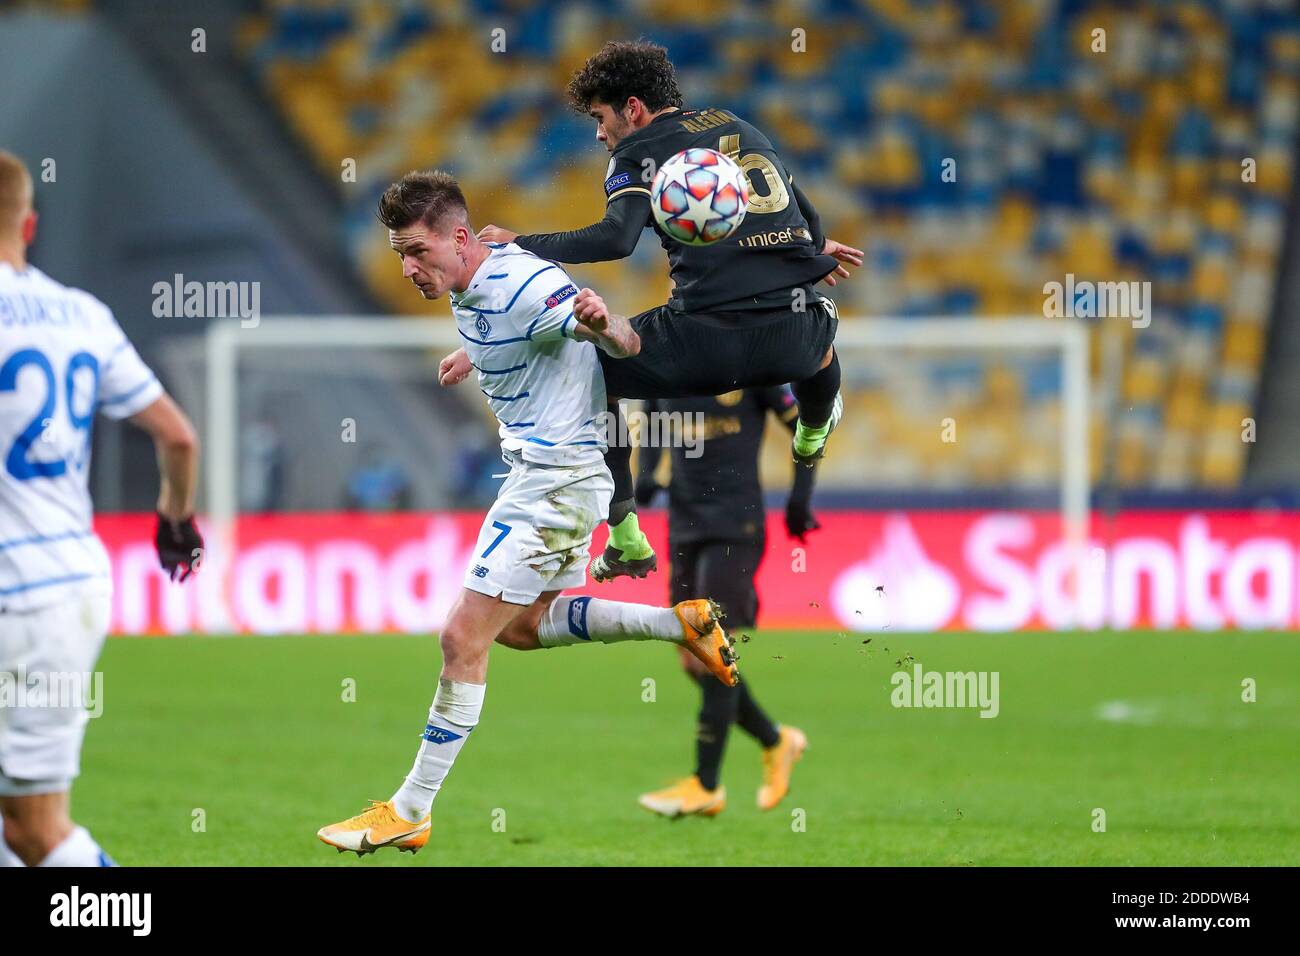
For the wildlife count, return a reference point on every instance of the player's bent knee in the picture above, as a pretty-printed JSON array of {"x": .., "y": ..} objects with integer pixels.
[
  {"x": 827, "y": 358},
  {"x": 457, "y": 643},
  {"x": 520, "y": 635}
]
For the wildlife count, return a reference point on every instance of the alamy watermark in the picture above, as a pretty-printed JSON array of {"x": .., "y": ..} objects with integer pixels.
[
  {"x": 208, "y": 300},
  {"x": 1098, "y": 300},
  {"x": 130, "y": 910},
  {"x": 640, "y": 429},
  {"x": 52, "y": 690},
  {"x": 922, "y": 688}
]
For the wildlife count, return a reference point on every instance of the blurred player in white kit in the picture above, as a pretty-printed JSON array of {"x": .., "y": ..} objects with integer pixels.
[{"x": 62, "y": 359}]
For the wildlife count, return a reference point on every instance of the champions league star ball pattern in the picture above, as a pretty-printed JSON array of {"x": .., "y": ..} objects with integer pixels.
[{"x": 699, "y": 197}]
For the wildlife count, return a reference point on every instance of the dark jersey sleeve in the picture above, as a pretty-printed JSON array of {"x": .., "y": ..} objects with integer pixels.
[
  {"x": 614, "y": 237},
  {"x": 814, "y": 221},
  {"x": 630, "y": 172}
]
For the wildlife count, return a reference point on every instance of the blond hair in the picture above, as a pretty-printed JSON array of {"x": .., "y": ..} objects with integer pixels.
[{"x": 15, "y": 191}]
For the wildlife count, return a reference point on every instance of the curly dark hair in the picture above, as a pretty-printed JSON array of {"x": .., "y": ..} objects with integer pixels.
[
  {"x": 622, "y": 69},
  {"x": 428, "y": 197}
]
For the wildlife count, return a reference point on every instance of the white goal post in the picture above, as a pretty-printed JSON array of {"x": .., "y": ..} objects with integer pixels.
[{"x": 227, "y": 339}]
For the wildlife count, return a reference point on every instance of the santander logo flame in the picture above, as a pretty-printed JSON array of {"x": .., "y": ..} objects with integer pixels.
[{"x": 918, "y": 594}]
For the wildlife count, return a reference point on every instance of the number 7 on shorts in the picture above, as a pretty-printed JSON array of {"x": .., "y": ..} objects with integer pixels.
[{"x": 505, "y": 530}]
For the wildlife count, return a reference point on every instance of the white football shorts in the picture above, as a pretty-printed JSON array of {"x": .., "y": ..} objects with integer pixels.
[
  {"x": 47, "y": 679},
  {"x": 537, "y": 535}
]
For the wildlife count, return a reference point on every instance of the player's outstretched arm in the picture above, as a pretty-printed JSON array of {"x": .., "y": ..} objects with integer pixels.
[
  {"x": 178, "y": 455},
  {"x": 829, "y": 247},
  {"x": 614, "y": 237},
  {"x": 595, "y": 323},
  {"x": 493, "y": 233},
  {"x": 179, "y": 543},
  {"x": 454, "y": 369}
]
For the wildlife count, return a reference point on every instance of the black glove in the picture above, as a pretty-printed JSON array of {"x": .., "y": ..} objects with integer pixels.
[
  {"x": 799, "y": 519},
  {"x": 645, "y": 492},
  {"x": 180, "y": 547}
]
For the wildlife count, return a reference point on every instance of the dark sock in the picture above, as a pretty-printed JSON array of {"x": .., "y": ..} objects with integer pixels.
[
  {"x": 618, "y": 510},
  {"x": 816, "y": 395},
  {"x": 717, "y": 712},
  {"x": 753, "y": 720},
  {"x": 618, "y": 458}
]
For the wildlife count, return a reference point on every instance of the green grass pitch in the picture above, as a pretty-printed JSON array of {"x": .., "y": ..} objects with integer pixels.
[{"x": 1151, "y": 728}]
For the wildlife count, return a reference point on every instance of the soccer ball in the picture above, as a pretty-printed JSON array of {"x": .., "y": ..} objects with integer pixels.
[{"x": 699, "y": 196}]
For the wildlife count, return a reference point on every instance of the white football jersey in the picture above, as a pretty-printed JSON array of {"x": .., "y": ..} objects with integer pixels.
[
  {"x": 62, "y": 359},
  {"x": 545, "y": 387}
]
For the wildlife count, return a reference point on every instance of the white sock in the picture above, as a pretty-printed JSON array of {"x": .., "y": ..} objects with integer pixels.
[
  {"x": 78, "y": 849},
  {"x": 455, "y": 712},
  {"x": 7, "y": 856},
  {"x": 581, "y": 620}
]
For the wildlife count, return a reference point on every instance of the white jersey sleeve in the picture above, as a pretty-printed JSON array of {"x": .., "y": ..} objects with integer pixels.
[
  {"x": 551, "y": 305},
  {"x": 126, "y": 385}
]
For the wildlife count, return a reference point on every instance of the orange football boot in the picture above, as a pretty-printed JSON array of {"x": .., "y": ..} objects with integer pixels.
[
  {"x": 685, "y": 798},
  {"x": 374, "y": 828},
  {"x": 778, "y": 764},
  {"x": 703, "y": 636}
]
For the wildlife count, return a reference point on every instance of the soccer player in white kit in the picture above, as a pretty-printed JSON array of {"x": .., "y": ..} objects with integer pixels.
[
  {"x": 62, "y": 358},
  {"x": 532, "y": 337}
]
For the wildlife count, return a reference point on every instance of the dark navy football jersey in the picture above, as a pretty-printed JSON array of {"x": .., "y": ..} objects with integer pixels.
[{"x": 773, "y": 251}]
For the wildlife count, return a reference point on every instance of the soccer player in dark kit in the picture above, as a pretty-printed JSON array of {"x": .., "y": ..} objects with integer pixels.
[
  {"x": 716, "y": 536},
  {"x": 743, "y": 312}
]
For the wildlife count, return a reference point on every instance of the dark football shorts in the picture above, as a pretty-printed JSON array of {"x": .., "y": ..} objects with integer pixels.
[
  {"x": 685, "y": 354},
  {"x": 722, "y": 570}
]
